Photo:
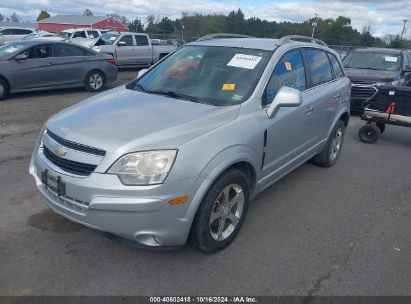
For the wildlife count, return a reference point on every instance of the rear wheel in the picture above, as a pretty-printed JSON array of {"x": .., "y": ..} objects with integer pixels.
[
  {"x": 332, "y": 148},
  {"x": 369, "y": 134},
  {"x": 221, "y": 213},
  {"x": 94, "y": 81},
  {"x": 4, "y": 88}
]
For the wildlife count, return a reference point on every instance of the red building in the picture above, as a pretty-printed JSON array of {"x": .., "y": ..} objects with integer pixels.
[{"x": 60, "y": 23}]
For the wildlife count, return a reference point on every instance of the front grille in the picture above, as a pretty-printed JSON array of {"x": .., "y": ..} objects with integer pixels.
[
  {"x": 364, "y": 82},
  {"x": 70, "y": 166},
  {"x": 75, "y": 146},
  {"x": 363, "y": 92}
]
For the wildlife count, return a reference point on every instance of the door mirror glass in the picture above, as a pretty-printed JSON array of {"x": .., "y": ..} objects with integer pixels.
[
  {"x": 286, "y": 97},
  {"x": 21, "y": 57},
  {"x": 141, "y": 73}
]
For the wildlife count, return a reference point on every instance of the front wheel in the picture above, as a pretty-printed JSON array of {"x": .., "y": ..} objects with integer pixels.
[
  {"x": 221, "y": 213},
  {"x": 332, "y": 148},
  {"x": 94, "y": 81},
  {"x": 3, "y": 89}
]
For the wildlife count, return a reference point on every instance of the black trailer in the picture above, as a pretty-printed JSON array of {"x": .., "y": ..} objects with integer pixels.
[{"x": 391, "y": 105}]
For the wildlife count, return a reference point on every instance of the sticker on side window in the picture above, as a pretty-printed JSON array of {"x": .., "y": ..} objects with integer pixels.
[
  {"x": 288, "y": 66},
  {"x": 244, "y": 61},
  {"x": 391, "y": 59}
]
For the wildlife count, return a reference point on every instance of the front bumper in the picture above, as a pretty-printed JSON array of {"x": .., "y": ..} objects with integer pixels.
[{"x": 101, "y": 202}]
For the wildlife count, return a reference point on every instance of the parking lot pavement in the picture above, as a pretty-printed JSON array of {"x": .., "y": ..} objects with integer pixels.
[{"x": 344, "y": 230}]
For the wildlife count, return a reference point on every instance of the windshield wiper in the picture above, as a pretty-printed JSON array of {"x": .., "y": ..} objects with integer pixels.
[{"x": 174, "y": 95}]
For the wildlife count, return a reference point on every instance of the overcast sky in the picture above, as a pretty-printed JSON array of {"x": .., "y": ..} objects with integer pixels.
[{"x": 385, "y": 16}]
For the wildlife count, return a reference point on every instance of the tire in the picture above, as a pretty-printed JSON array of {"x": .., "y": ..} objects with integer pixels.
[
  {"x": 4, "y": 89},
  {"x": 216, "y": 224},
  {"x": 332, "y": 148},
  {"x": 369, "y": 134},
  {"x": 380, "y": 126},
  {"x": 94, "y": 81}
]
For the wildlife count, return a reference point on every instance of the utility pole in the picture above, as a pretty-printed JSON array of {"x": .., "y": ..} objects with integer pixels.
[
  {"x": 314, "y": 25},
  {"x": 182, "y": 30},
  {"x": 403, "y": 27}
]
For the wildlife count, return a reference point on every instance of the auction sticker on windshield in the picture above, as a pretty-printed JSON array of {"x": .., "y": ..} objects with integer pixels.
[
  {"x": 391, "y": 59},
  {"x": 244, "y": 61}
]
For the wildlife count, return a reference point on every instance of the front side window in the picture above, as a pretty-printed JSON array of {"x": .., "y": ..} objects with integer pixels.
[
  {"x": 289, "y": 72},
  {"x": 220, "y": 76},
  {"x": 107, "y": 39},
  {"x": 141, "y": 40},
  {"x": 126, "y": 41},
  {"x": 39, "y": 52},
  {"x": 320, "y": 67},
  {"x": 338, "y": 71},
  {"x": 373, "y": 61}
]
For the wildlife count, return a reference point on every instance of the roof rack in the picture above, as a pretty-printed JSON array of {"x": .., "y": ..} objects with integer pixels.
[
  {"x": 290, "y": 38},
  {"x": 222, "y": 36}
]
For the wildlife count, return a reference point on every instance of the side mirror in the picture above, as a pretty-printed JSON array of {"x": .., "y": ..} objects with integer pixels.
[
  {"x": 141, "y": 73},
  {"x": 407, "y": 69},
  {"x": 21, "y": 57},
  {"x": 286, "y": 97},
  {"x": 121, "y": 43}
]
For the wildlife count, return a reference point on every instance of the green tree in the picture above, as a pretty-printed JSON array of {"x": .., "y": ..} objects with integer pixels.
[
  {"x": 14, "y": 18},
  {"x": 136, "y": 26},
  {"x": 119, "y": 18},
  {"x": 236, "y": 22},
  {"x": 166, "y": 26},
  {"x": 43, "y": 15},
  {"x": 88, "y": 12},
  {"x": 152, "y": 25}
]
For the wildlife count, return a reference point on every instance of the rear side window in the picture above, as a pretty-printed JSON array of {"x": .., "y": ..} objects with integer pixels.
[
  {"x": 64, "y": 50},
  {"x": 92, "y": 34},
  {"x": 288, "y": 72},
  {"x": 338, "y": 71},
  {"x": 319, "y": 66},
  {"x": 79, "y": 35},
  {"x": 141, "y": 40},
  {"x": 126, "y": 41},
  {"x": 20, "y": 32}
]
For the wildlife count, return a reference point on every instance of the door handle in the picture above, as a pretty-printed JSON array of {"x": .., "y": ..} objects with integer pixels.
[
  {"x": 309, "y": 110},
  {"x": 50, "y": 63},
  {"x": 337, "y": 96}
]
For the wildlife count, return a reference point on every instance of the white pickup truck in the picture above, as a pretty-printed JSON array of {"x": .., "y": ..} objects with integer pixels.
[{"x": 131, "y": 49}]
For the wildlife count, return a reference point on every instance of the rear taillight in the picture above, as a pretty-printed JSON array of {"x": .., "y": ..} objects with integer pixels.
[{"x": 111, "y": 61}]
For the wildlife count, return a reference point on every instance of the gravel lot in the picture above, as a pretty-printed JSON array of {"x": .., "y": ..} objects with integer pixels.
[{"x": 345, "y": 230}]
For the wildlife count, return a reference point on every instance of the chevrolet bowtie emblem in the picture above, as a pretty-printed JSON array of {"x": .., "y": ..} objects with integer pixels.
[{"x": 60, "y": 151}]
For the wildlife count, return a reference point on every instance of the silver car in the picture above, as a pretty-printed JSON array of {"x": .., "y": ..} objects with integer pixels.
[
  {"x": 176, "y": 155},
  {"x": 33, "y": 65}
]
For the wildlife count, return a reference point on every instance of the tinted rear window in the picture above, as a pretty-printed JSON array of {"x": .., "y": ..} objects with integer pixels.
[
  {"x": 141, "y": 40},
  {"x": 319, "y": 66},
  {"x": 63, "y": 50}
]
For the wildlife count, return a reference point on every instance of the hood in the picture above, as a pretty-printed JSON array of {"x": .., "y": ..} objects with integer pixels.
[
  {"x": 371, "y": 75},
  {"x": 123, "y": 120}
]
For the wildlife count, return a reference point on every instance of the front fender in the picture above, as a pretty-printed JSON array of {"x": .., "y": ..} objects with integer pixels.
[{"x": 216, "y": 166}]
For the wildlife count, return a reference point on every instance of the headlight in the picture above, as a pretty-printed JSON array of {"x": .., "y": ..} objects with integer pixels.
[
  {"x": 388, "y": 83},
  {"x": 144, "y": 168}
]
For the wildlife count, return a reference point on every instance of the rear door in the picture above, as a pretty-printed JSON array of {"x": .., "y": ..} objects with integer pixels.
[
  {"x": 144, "y": 54},
  {"x": 290, "y": 132},
  {"x": 72, "y": 60},
  {"x": 324, "y": 91},
  {"x": 126, "y": 50},
  {"x": 37, "y": 70}
]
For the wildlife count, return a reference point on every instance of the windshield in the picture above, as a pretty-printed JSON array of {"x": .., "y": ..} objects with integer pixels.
[
  {"x": 9, "y": 49},
  {"x": 107, "y": 39},
  {"x": 206, "y": 74},
  {"x": 372, "y": 61}
]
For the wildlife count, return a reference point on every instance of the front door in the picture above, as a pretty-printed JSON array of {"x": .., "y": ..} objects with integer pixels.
[
  {"x": 144, "y": 50},
  {"x": 36, "y": 71},
  {"x": 290, "y": 133},
  {"x": 126, "y": 50}
]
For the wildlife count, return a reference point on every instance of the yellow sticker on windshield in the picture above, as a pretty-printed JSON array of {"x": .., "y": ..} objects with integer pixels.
[
  {"x": 288, "y": 66},
  {"x": 228, "y": 87}
]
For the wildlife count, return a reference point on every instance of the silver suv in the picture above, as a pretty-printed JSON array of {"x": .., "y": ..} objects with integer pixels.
[{"x": 177, "y": 154}]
